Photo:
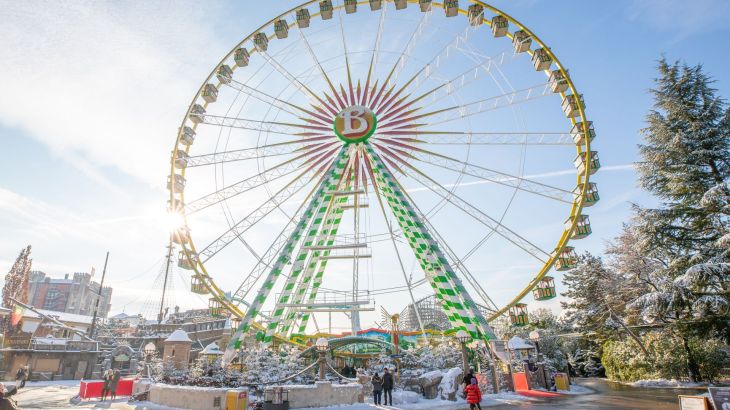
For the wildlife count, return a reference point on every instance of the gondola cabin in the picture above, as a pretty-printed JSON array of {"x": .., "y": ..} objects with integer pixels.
[
  {"x": 325, "y": 9},
  {"x": 572, "y": 105},
  {"x": 476, "y": 13},
  {"x": 591, "y": 196},
  {"x": 521, "y": 41},
  {"x": 281, "y": 29},
  {"x": 541, "y": 59},
  {"x": 518, "y": 315},
  {"x": 582, "y": 227},
  {"x": 350, "y": 6},
  {"x": 224, "y": 74},
  {"x": 215, "y": 308},
  {"x": 177, "y": 182},
  {"x": 303, "y": 18},
  {"x": 210, "y": 93},
  {"x": 593, "y": 163},
  {"x": 566, "y": 260},
  {"x": 400, "y": 4},
  {"x": 184, "y": 262},
  {"x": 197, "y": 285},
  {"x": 451, "y": 8},
  {"x": 579, "y": 136},
  {"x": 558, "y": 82},
  {"x": 181, "y": 159},
  {"x": 545, "y": 289},
  {"x": 181, "y": 235},
  {"x": 175, "y": 205},
  {"x": 500, "y": 26},
  {"x": 187, "y": 136},
  {"x": 241, "y": 56},
  {"x": 376, "y": 4},
  {"x": 425, "y": 5},
  {"x": 197, "y": 113},
  {"x": 261, "y": 41}
]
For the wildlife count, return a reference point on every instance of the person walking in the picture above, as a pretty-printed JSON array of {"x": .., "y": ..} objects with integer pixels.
[
  {"x": 473, "y": 395},
  {"x": 377, "y": 382},
  {"x": 388, "y": 387},
  {"x": 116, "y": 375},
  {"x": 21, "y": 376},
  {"x": 106, "y": 387}
]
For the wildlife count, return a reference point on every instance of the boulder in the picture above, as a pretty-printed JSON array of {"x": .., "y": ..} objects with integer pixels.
[{"x": 449, "y": 385}]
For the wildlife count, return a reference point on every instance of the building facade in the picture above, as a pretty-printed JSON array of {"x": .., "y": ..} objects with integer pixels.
[{"x": 75, "y": 295}]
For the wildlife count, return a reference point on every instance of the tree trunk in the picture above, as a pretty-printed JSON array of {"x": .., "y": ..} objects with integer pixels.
[{"x": 693, "y": 369}]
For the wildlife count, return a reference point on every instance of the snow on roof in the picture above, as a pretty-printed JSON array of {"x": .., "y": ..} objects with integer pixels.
[
  {"x": 120, "y": 316},
  {"x": 50, "y": 340},
  {"x": 178, "y": 336},
  {"x": 517, "y": 343},
  {"x": 212, "y": 349},
  {"x": 61, "y": 316}
]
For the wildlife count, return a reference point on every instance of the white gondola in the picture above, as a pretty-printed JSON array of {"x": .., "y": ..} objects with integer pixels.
[
  {"x": 181, "y": 235},
  {"x": 400, "y": 4},
  {"x": 197, "y": 113},
  {"x": 261, "y": 41},
  {"x": 425, "y": 5},
  {"x": 476, "y": 13},
  {"x": 325, "y": 9},
  {"x": 181, "y": 159},
  {"x": 582, "y": 226},
  {"x": 350, "y": 6},
  {"x": 558, "y": 82},
  {"x": 376, "y": 4},
  {"x": 241, "y": 56},
  {"x": 224, "y": 74},
  {"x": 593, "y": 165},
  {"x": 210, "y": 93},
  {"x": 186, "y": 263},
  {"x": 451, "y": 8},
  {"x": 591, "y": 196},
  {"x": 572, "y": 105},
  {"x": 521, "y": 41},
  {"x": 187, "y": 136},
  {"x": 500, "y": 26},
  {"x": 579, "y": 137},
  {"x": 281, "y": 29},
  {"x": 541, "y": 59},
  {"x": 303, "y": 18},
  {"x": 177, "y": 182}
]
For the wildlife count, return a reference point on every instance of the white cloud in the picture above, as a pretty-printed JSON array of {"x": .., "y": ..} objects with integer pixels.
[
  {"x": 103, "y": 83},
  {"x": 684, "y": 18}
]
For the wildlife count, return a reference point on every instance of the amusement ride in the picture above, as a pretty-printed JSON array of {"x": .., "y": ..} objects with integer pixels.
[{"x": 352, "y": 151}]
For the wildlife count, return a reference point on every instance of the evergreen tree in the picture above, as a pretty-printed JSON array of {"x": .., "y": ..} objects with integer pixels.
[{"x": 17, "y": 287}]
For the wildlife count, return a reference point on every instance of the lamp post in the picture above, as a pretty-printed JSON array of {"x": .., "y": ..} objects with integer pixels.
[
  {"x": 149, "y": 350},
  {"x": 463, "y": 338},
  {"x": 535, "y": 337},
  {"x": 322, "y": 346}
]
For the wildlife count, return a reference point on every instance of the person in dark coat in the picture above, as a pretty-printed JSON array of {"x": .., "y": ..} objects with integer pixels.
[
  {"x": 106, "y": 387},
  {"x": 21, "y": 376},
  {"x": 467, "y": 378},
  {"x": 6, "y": 403},
  {"x": 388, "y": 387},
  {"x": 377, "y": 382},
  {"x": 473, "y": 395},
  {"x": 115, "y": 382}
]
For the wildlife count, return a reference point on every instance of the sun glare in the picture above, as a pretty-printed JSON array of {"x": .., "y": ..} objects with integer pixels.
[{"x": 174, "y": 220}]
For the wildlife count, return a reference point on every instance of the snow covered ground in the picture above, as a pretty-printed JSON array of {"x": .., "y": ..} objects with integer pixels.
[
  {"x": 576, "y": 389},
  {"x": 665, "y": 383}
]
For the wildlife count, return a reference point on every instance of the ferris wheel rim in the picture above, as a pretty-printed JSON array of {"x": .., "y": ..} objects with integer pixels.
[{"x": 576, "y": 209}]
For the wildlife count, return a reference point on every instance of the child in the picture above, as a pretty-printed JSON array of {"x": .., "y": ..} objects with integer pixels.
[
  {"x": 473, "y": 395},
  {"x": 377, "y": 388}
]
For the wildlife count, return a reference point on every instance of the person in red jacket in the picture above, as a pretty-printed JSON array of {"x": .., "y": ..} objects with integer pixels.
[{"x": 473, "y": 395}]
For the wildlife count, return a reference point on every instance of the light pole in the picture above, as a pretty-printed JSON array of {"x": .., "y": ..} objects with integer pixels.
[
  {"x": 463, "y": 338},
  {"x": 535, "y": 337},
  {"x": 322, "y": 346},
  {"x": 149, "y": 350}
]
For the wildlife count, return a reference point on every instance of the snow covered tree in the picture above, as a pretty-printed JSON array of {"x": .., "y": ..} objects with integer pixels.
[{"x": 16, "y": 287}]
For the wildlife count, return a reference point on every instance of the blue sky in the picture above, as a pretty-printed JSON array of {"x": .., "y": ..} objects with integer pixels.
[{"x": 93, "y": 93}]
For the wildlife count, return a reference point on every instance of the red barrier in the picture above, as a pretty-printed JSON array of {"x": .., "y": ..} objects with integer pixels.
[
  {"x": 92, "y": 388},
  {"x": 520, "y": 381}
]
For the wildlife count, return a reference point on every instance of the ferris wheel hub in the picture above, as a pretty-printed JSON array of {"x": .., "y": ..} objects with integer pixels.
[{"x": 355, "y": 123}]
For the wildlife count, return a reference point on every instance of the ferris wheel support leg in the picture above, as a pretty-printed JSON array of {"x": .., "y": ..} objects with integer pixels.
[
  {"x": 457, "y": 303},
  {"x": 275, "y": 272}
]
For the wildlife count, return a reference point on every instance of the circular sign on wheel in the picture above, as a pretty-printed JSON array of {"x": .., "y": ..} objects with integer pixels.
[{"x": 355, "y": 123}]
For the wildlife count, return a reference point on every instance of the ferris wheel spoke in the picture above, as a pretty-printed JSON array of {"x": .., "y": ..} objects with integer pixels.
[
  {"x": 264, "y": 151},
  {"x": 459, "y": 203},
  {"x": 283, "y": 128},
  {"x": 458, "y": 112},
  {"x": 277, "y": 171},
  {"x": 273, "y": 101},
  {"x": 478, "y": 138},
  {"x": 347, "y": 60},
  {"x": 363, "y": 98},
  {"x": 486, "y": 174}
]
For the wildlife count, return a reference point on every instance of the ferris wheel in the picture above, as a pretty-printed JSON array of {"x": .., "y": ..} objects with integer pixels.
[{"x": 350, "y": 153}]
